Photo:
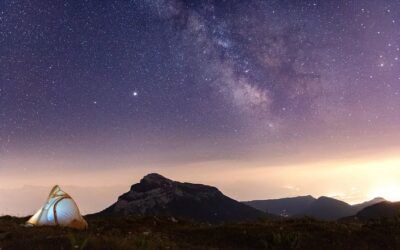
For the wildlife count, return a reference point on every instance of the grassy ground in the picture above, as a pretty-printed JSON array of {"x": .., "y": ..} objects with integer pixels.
[{"x": 167, "y": 233}]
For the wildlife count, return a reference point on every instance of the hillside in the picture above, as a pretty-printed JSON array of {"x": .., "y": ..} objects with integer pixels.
[
  {"x": 153, "y": 232},
  {"x": 326, "y": 208},
  {"x": 361, "y": 206},
  {"x": 384, "y": 209},
  {"x": 284, "y": 207}
]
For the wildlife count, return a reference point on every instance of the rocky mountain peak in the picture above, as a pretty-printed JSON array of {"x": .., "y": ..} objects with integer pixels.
[
  {"x": 155, "y": 179},
  {"x": 155, "y": 194}
]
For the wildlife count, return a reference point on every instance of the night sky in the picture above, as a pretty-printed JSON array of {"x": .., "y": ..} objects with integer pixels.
[{"x": 227, "y": 86}]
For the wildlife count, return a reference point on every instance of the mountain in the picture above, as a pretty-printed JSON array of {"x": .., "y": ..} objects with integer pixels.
[
  {"x": 284, "y": 207},
  {"x": 384, "y": 209},
  {"x": 157, "y": 195},
  {"x": 361, "y": 206},
  {"x": 323, "y": 208}
]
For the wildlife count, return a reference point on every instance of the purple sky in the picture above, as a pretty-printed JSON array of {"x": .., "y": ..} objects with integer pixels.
[{"x": 229, "y": 86}]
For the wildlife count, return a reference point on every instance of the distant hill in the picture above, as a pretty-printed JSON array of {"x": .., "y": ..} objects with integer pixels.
[
  {"x": 323, "y": 208},
  {"x": 326, "y": 208},
  {"x": 384, "y": 209},
  {"x": 284, "y": 207},
  {"x": 363, "y": 205},
  {"x": 157, "y": 195}
]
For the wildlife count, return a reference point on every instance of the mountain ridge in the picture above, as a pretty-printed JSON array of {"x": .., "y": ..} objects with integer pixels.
[
  {"x": 385, "y": 209},
  {"x": 324, "y": 208},
  {"x": 155, "y": 194},
  {"x": 158, "y": 195}
]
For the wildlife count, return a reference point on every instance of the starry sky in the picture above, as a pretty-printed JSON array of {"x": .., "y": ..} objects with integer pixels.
[{"x": 261, "y": 98}]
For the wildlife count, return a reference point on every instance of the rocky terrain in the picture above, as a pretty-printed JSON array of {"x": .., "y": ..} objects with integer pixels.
[{"x": 157, "y": 195}]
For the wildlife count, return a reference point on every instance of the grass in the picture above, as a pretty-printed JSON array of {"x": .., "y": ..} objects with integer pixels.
[{"x": 167, "y": 233}]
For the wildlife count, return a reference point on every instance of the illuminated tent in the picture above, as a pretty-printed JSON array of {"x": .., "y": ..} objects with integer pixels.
[{"x": 59, "y": 210}]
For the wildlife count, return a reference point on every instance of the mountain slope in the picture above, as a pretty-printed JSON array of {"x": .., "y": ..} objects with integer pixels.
[
  {"x": 157, "y": 195},
  {"x": 326, "y": 208},
  {"x": 323, "y": 208},
  {"x": 361, "y": 206},
  {"x": 285, "y": 207},
  {"x": 384, "y": 209}
]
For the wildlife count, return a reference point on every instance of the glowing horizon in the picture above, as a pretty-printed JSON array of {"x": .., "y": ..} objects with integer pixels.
[{"x": 353, "y": 181}]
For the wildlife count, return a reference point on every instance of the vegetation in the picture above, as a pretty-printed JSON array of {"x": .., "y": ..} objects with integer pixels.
[{"x": 168, "y": 233}]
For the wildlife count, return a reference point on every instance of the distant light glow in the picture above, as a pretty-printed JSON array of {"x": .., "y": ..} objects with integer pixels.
[{"x": 389, "y": 191}]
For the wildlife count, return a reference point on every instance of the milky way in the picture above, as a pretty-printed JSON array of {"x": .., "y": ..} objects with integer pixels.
[{"x": 195, "y": 79}]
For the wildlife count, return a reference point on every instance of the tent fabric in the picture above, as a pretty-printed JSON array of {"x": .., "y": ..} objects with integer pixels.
[{"x": 59, "y": 210}]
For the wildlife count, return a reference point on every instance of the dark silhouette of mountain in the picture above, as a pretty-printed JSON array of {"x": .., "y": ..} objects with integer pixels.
[
  {"x": 157, "y": 195},
  {"x": 363, "y": 205},
  {"x": 325, "y": 208},
  {"x": 384, "y": 209},
  {"x": 284, "y": 207}
]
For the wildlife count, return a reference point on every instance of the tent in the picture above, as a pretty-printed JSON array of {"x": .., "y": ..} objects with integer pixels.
[{"x": 59, "y": 210}]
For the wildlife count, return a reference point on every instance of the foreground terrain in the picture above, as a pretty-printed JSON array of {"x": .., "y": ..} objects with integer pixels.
[{"x": 168, "y": 233}]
